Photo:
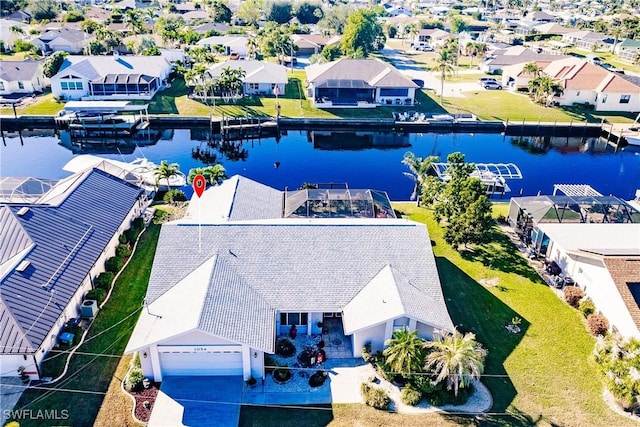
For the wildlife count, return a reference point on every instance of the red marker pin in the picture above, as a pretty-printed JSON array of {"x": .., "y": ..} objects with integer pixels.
[{"x": 199, "y": 184}]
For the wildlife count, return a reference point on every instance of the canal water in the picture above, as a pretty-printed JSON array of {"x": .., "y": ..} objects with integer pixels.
[{"x": 361, "y": 159}]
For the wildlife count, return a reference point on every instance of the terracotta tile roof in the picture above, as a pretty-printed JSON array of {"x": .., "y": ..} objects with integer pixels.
[
  {"x": 625, "y": 271},
  {"x": 615, "y": 83},
  {"x": 575, "y": 73}
]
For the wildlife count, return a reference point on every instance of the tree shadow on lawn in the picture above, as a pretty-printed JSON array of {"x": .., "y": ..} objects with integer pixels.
[
  {"x": 474, "y": 309},
  {"x": 501, "y": 255},
  {"x": 276, "y": 416}
]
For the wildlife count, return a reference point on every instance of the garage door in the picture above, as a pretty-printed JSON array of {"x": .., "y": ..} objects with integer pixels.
[{"x": 228, "y": 362}]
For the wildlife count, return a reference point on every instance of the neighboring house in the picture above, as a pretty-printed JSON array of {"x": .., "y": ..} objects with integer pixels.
[
  {"x": 8, "y": 36},
  {"x": 110, "y": 77},
  {"x": 52, "y": 250},
  {"x": 514, "y": 77},
  {"x": 433, "y": 37},
  {"x": 541, "y": 16},
  {"x": 552, "y": 28},
  {"x": 195, "y": 14},
  {"x": 229, "y": 44},
  {"x": 604, "y": 260},
  {"x": 220, "y": 27},
  {"x": 589, "y": 40},
  {"x": 269, "y": 260},
  {"x": 501, "y": 58},
  {"x": 628, "y": 50},
  {"x": 587, "y": 83},
  {"x": 20, "y": 16},
  {"x": 261, "y": 78},
  {"x": 63, "y": 39},
  {"x": 310, "y": 44},
  {"x": 362, "y": 83},
  {"x": 22, "y": 77}
]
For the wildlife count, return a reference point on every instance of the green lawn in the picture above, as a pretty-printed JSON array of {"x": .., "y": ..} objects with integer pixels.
[
  {"x": 90, "y": 373},
  {"x": 506, "y": 105},
  {"x": 547, "y": 374},
  {"x": 43, "y": 105}
]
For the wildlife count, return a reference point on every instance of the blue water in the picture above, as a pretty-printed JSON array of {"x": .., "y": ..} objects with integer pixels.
[{"x": 370, "y": 160}]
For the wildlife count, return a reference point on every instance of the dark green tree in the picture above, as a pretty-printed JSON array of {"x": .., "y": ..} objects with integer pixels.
[
  {"x": 221, "y": 12},
  {"x": 43, "y": 9},
  {"x": 279, "y": 11},
  {"x": 458, "y": 24},
  {"x": 335, "y": 19},
  {"x": 308, "y": 12},
  {"x": 331, "y": 52},
  {"x": 362, "y": 34},
  {"x": 52, "y": 64}
]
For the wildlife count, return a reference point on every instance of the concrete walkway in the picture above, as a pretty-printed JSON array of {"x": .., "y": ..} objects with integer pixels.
[{"x": 11, "y": 388}]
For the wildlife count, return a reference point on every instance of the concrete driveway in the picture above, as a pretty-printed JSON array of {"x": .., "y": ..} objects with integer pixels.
[
  {"x": 198, "y": 401},
  {"x": 11, "y": 388}
]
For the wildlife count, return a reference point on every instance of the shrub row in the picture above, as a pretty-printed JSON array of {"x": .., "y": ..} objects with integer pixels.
[
  {"x": 573, "y": 295},
  {"x": 410, "y": 396},
  {"x": 597, "y": 323},
  {"x": 375, "y": 397},
  {"x": 134, "y": 380},
  {"x": 96, "y": 294},
  {"x": 104, "y": 279}
]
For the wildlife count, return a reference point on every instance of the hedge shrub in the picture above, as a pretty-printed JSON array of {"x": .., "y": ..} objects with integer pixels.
[
  {"x": 410, "y": 396},
  {"x": 174, "y": 195},
  {"x": 586, "y": 307},
  {"x": 573, "y": 295},
  {"x": 96, "y": 294},
  {"x": 375, "y": 397},
  {"x": 123, "y": 251},
  {"x": 598, "y": 324},
  {"x": 134, "y": 380},
  {"x": 122, "y": 239},
  {"x": 113, "y": 264},
  {"x": 104, "y": 279}
]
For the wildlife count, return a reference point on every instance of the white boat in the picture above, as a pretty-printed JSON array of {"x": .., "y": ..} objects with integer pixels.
[
  {"x": 633, "y": 140},
  {"x": 140, "y": 171}
]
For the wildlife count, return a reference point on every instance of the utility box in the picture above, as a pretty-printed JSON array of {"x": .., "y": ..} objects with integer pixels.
[{"x": 89, "y": 308}]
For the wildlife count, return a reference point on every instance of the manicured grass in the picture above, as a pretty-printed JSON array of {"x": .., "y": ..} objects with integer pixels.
[
  {"x": 43, "y": 105},
  {"x": 506, "y": 105},
  {"x": 89, "y": 374},
  {"x": 464, "y": 78},
  {"x": 545, "y": 374}
]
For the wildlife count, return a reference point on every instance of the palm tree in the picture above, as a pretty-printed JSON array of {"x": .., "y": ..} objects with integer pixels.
[
  {"x": 405, "y": 351},
  {"x": 252, "y": 47},
  {"x": 456, "y": 358},
  {"x": 532, "y": 69},
  {"x": 133, "y": 20},
  {"x": 418, "y": 169},
  {"x": 165, "y": 171},
  {"x": 212, "y": 174},
  {"x": 444, "y": 66},
  {"x": 544, "y": 88}
]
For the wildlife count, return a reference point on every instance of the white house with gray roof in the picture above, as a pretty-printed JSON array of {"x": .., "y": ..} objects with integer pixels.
[
  {"x": 358, "y": 83},
  {"x": 63, "y": 39},
  {"x": 110, "y": 77},
  {"x": 260, "y": 78},
  {"x": 22, "y": 77},
  {"x": 227, "y": 281}
]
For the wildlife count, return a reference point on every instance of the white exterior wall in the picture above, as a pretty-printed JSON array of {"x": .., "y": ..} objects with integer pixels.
[
  {"x": 263, "y": 88},
  {"x": 64, "y": 45},
  {"x": 36, "y": 84},
  {"x": 593, "y": 277},
  {"x": 257, "y": 364},
  {"x": 196, "y": 338},
  {"x": 613, "y": 102},
  {"x": 69, "y": 94},
  {"x": 571, "y": 96},
  {"x": 425, "y": 331},
  {"x": 11, "y": 362},
  {"x": 145, "y": 363},
  {"x": 411, "y": 93},
  {"x": 375, "y": 335}
]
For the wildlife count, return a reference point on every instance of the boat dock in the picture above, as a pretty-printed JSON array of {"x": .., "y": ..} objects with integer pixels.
[{"x": 240, "y": 128}]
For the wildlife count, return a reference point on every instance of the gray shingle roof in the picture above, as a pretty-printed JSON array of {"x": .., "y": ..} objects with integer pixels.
[
  {"x": 253, "y": 200},
  {"x": 18, "y": 70},
  {"x": 297, "y": 265},
  {"x": 368, "y": 70},
  {"x": 69, "y": 238}
]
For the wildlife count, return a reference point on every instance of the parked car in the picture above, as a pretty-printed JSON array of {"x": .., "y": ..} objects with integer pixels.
[
  {"x": 491, "y": 85},
  {"x": 483, "y": 80},
  {"x": 426, "y": 48}
]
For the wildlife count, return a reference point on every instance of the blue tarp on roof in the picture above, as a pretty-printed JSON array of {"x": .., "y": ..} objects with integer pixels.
[{"x": 69, "y": 238}]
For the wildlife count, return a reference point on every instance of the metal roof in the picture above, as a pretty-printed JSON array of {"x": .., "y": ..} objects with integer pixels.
[{"x": 68, "y": 238}]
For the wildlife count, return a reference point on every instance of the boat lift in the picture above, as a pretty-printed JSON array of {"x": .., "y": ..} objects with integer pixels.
[{"x": 492, "y": 175}]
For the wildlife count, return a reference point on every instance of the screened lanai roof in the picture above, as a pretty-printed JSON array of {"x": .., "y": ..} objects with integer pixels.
[
  {"x": 337, "y": 203},
  {"x": 578, "y": 209},
  {"x": 24, "y": 190}
]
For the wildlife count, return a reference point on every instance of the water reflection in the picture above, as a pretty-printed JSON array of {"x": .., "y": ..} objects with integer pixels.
[
  {"x": 329, "y": 140},
  {"x": 563, "y": 144}
]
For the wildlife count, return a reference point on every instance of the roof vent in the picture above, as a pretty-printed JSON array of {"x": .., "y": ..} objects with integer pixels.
[
  {"x": 23, "y": 266},
  {"x": 23, "y": 211}
]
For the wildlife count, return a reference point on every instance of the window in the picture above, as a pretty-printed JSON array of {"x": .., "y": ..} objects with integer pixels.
[
  {"x": 20, "y": 85},
  {"x": 254, "y": 86},
  {"x": 1, "y": 85},
  {"x": 294, "y": 319},
  {"x": 624, "y": 99},
  {"x": 78, "y": 85},
  {"x": 394, "y": 92},
  {"x": 64, "y": 85}
]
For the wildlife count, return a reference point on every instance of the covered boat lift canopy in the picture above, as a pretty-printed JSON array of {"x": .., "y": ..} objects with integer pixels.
[
  {"x": 492, "y": 175},
  {"x": 104, "y": 106}
]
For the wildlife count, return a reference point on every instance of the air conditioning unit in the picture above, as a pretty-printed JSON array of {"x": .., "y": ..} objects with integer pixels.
[{"x": 89, "y": 308}]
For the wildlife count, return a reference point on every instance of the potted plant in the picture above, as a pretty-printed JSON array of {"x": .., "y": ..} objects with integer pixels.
[{"x": 251, "y": 382}]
